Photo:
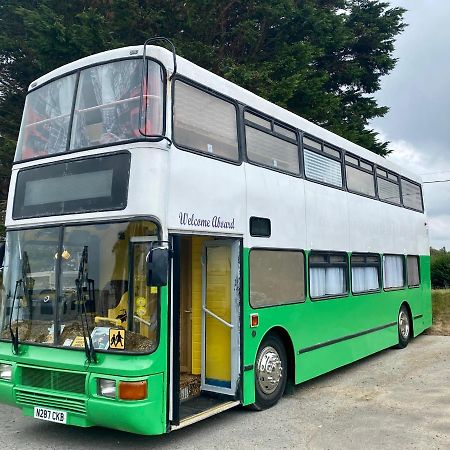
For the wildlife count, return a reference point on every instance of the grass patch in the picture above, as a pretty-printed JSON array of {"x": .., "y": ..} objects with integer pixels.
[{"x": 441, "y": 312}]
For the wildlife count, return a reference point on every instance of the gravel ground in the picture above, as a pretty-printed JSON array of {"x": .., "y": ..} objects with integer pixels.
[{"x": 396, "y": 399}]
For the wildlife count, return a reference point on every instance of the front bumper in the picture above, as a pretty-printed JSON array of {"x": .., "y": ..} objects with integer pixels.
[{"x": 76, "y": 394}]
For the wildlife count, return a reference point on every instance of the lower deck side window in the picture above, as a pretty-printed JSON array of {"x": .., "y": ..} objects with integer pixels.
[
  {"x": 413, "y": 271},
  {"x": 277, "y": 277},
  {"x": 328, "y": 274},
  {"x": 394, "y": 271},
  {"x": 365, "y": 273}
]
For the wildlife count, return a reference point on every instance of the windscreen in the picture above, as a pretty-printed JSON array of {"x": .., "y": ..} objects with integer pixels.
[
  {"x": 96, "y": 106},
  {"x": 44, "y": 268}
]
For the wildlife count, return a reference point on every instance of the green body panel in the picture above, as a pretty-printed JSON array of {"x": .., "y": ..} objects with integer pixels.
[
  {"x": 307, "y": 324},
  {"x": 312, "y": 323}
]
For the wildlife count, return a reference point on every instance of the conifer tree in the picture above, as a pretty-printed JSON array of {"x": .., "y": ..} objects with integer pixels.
[{"x": 322, "y": 59}]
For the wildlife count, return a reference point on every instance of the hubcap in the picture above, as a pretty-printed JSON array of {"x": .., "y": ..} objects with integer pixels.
[
  {"x": 403, "y": 324},
  {"x": 269, "y": 370}
]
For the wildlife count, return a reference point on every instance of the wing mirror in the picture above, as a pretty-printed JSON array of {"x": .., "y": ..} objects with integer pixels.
[{"x": 158, "y": 266}]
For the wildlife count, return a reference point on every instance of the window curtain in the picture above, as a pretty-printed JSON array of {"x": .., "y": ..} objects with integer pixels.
[
  {"x": 364, "y": 279},
  {"x": 327, "y": 281},
  {"x": 393, "y": 271}
]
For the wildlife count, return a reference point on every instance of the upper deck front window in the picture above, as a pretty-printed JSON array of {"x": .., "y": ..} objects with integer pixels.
[{"x": 103, "y": 107}]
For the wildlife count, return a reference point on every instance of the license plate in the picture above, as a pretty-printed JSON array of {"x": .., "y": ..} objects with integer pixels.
[{"x": 50, "y": 414}]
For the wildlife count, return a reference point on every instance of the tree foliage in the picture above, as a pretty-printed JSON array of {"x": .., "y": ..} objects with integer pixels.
[
  {"x": 440, "y": 268},
  {"x": 321, "y": 59}
]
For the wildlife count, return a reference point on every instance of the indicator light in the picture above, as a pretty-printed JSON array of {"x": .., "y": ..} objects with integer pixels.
[
  {"x": 133, "y": 390},
  {"x": 254, "y": 320}
]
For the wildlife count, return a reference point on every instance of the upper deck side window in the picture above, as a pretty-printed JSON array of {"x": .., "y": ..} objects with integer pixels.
[
  {"x": 96, "y": 106},
  {"x": 359, "y": 174},
  {"x": 388, "y": 186},
  {"x": 322, "y": 162},
  {"x": 271, "y": 144},
  {"x": 204, "y": 122},
  {"x": 412, "y": 195}
]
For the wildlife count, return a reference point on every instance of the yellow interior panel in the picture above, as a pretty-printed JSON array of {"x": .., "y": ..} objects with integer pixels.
[
  {"x": 197, "y": 247},
  {"x": 218, "y": 301}
]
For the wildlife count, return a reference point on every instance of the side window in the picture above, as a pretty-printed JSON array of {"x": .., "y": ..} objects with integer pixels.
[
  {"x": 327, "y": 274},
  {"x": 359, "y": 176},
  {"x": 322, "y": 163},
  {"x": 270, "y": 144},
  {"x": 204, "y": 122},
  {"x": 365, "y": 273},
  {"x": 412, "y": 195},
  {"x": 277, "y": 277},
  {"x": 394, "y": 271},
  {"x": 260, "y": 227},
  {"x": 388, "y": 187},
  {"x": 413, "y": 271}
]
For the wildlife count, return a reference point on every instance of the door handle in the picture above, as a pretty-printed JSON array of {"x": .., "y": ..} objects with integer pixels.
[{"x": 207, "y": 311}]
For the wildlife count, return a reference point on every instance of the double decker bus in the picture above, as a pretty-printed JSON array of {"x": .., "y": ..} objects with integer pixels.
[{"x": 177, "y": 245}]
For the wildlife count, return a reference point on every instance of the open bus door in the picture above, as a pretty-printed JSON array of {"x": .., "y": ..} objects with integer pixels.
[
  {"x": 205, "y": 311},
  {"x": 220, "y": 316}
]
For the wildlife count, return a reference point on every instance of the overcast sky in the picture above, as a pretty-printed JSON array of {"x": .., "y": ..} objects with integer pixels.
[{"x": 418, "y": 94}]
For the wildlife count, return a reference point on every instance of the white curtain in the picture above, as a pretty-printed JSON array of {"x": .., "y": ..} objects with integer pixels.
[
  {"x": 327, "y": 281},
  {"x": 393, "y": 271},
  {"x": 364, "y": 279}
]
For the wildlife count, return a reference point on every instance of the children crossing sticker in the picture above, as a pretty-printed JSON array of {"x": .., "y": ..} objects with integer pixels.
[{"x": 116, "y": 339}]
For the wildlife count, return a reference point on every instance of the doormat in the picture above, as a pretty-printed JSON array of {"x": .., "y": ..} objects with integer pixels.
[{"x": 189, "y": 386}]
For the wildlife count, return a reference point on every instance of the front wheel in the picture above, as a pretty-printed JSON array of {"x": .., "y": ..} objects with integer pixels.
[
  {"x": 270, "y": 372},
  {"x": 404, "y": 327}
]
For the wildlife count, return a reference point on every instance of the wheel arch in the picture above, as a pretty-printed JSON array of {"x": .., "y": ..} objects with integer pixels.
[
  {"x": 411, "y": 317},
  {"x": 283, "y": 334}
]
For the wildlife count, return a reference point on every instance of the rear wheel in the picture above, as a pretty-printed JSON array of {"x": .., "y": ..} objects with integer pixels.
[
  {"x": 404, "y": 327},
  {"x": 270, "y": 372}
]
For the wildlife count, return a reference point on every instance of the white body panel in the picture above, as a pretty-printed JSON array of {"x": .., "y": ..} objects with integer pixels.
[
  {"x": 185, "y": 191},
  {"x": 205, "y": 195},
  {"x": 281, "y": 198}
]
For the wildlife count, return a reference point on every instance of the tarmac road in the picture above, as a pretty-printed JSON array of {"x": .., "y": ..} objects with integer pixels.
[{"x": 396, "y": 399}]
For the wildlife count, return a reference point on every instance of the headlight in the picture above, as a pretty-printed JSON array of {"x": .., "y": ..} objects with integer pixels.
[
  {"x": 6, "y": 372},
  {"x": 106, "y": 388}
]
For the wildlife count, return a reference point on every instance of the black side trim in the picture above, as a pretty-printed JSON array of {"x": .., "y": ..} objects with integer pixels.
[
  {"x": 345, "y": 338},
  {"x": 419, "y": 316},
  {"x": 249, "y": 367}
]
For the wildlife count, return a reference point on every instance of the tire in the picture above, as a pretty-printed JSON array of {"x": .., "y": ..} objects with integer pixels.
[
  {"x": 404, "y": 327},
  {"x": 270, "y": 373}
]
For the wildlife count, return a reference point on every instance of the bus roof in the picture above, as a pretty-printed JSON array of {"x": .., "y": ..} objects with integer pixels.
[{"x": 227, "y": 88}]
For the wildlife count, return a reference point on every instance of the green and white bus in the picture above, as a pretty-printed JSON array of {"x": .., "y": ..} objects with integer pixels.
[{"x": 177, "y": 246}]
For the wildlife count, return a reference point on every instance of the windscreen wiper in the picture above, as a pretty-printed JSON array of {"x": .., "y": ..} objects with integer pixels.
[
  {"x": 27, "y": 284},
  {"x": 15, "y": 335},
  {"x": 27, "y": 280},
  {"x": 83, "y": 285}
]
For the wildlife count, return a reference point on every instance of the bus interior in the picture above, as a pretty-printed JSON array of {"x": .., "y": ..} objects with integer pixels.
[{"x": 208, "y": 323}]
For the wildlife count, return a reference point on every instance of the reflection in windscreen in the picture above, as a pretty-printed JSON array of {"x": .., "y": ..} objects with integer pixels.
[
  {"x": 107, "y": 109},
  {"x": 115, "y": 295},
  {"x": 70, "y": 187},
  {"x": 45, "y": 122}
]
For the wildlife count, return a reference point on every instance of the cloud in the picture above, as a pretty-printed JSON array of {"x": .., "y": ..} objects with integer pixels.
[
  {"x": 417, "y": 93},
  {"x": 436, "y": 196}
]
